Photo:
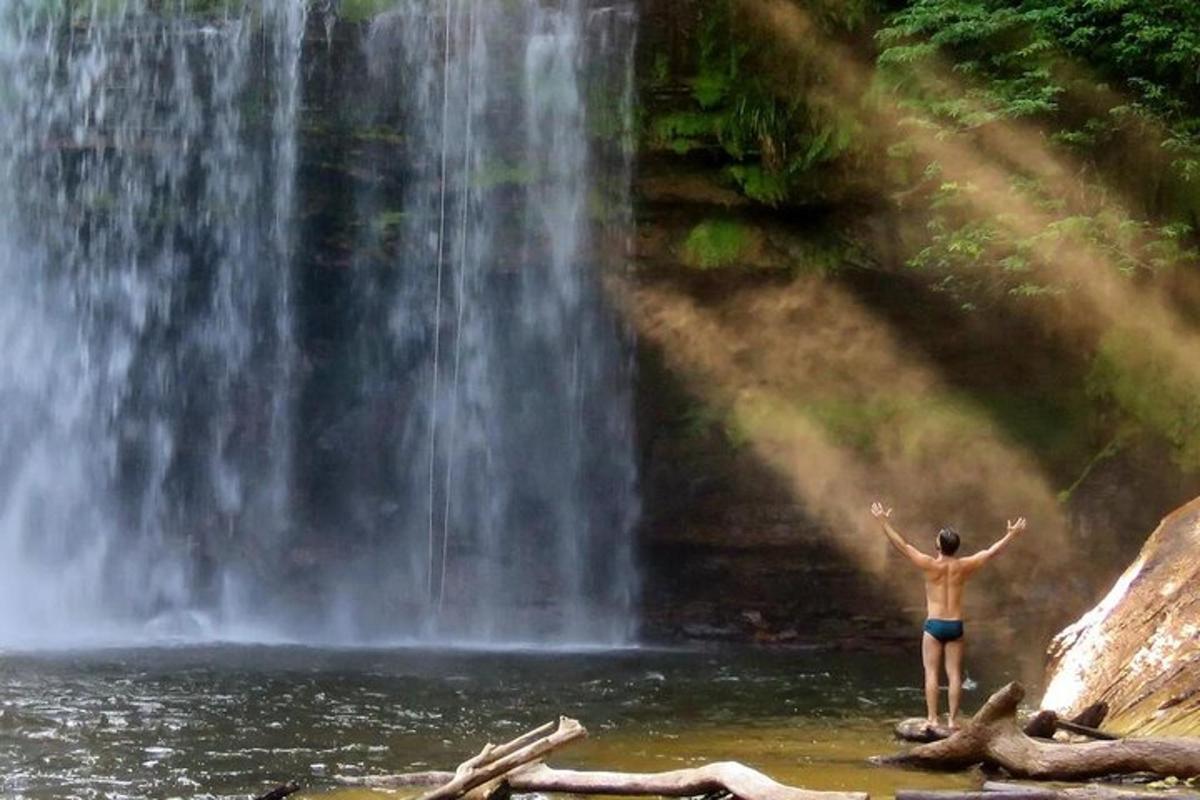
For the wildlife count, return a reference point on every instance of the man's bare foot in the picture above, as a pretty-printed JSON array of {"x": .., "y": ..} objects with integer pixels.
[
  {"x": 953, "y": 725},
  {"x": 931, "y": 723}
]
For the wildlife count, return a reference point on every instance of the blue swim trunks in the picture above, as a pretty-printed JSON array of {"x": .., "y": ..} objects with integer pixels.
[{"x": 944, "y": 630}]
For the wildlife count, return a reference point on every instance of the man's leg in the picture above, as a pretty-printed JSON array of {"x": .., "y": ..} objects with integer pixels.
[
  {"x": 931, "y": 655},
  {"x": 954, "y": 659}
]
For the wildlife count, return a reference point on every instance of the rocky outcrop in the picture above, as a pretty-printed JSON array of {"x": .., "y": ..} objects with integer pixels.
[{"x": 1139, "y": 649}]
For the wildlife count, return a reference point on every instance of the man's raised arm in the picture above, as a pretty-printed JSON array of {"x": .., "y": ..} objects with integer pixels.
[
  {"x": 1014, "y": 529},
  {"x": 914, "y": 555}
]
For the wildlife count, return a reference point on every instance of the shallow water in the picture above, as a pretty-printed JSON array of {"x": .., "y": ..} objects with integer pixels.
[{"x": 217, "y": 721}]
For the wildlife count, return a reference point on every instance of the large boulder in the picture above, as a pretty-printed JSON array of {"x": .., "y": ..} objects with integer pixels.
[{"x": 1139, "y": 649}]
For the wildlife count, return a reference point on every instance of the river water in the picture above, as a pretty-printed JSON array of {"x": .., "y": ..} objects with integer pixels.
[{"x": 228, "y": 721}]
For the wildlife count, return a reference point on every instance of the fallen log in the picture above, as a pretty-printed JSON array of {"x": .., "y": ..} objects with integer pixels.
[
  {"x": 403, "y": 780},
  {"x": 1019, "y": 792},
  {"x": 737, "y": 779},
  {"x": 918, "y": 729},
  {"x": 1087, "y": 722},
  {"x": 725, "y": 776},
  {"x": 517, "y": 766},
  {"x": 992, "y": 737},
  {"x": 950, "y": 794},
  {"x": 495, "y": 762},
  {"x": 1042, "y": 725},
  {"x": 1095, "y": 790}
]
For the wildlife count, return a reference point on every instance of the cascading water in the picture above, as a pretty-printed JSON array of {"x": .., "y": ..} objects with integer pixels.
[
  {"x": 173, "y": 457},
  {"x": 145, "y": 227},
  {"x": 517, "y": 423}
]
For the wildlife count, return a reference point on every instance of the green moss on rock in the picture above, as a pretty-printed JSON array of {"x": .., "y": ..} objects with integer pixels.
[{"x": 717, "y": 243}]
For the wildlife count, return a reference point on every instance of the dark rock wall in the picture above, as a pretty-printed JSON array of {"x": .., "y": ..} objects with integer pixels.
[{"x": 729, "y": 548}]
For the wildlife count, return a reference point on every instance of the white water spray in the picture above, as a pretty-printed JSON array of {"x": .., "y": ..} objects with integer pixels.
[{"x": 166, "y": 436}]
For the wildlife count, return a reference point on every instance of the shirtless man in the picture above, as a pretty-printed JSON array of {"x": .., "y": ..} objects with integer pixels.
[{"x": 945, "y": 577}]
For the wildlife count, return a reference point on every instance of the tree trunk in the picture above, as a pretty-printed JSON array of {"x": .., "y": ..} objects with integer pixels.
[{"x": 992, "y": 737}]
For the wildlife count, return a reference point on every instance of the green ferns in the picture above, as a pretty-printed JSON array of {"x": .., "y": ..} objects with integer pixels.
[
  {"x": 980, "y": 258},
  {"x": 748, "y": 100},
  {"x": 958, "y": 66}
]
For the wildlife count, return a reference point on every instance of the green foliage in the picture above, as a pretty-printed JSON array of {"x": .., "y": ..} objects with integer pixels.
[
  {"x": 1020, "y": 59},
  {"x": 716, "y": 243},
  {"x": 1149, "y": 390},
  {"x": 768, "y": 188},
  {"x": 1023, "y": 49},
  {"x": 685, "y": 131},
  {"x": 748, "y": 99},
  {"x": 1004, "y": 254},
  {"x": 960, "y": 65}
]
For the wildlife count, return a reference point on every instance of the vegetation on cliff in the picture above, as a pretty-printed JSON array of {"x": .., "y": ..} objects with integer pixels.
[
  {"x": 1039, "y": 159},
  {"x": 1010, "y": 191}
]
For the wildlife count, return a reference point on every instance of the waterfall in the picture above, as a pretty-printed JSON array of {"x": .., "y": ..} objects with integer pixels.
[
  {"x": 180, "y": 453},
  {"x": 146, "y": 229},
  {"x": 518, "y": 118}
]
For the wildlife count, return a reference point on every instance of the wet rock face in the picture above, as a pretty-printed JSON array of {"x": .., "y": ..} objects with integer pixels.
[{"x": 1139, "y": 649}]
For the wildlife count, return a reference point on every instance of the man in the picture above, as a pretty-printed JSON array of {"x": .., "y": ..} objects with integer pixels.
[{"x": 945, "y": 577}]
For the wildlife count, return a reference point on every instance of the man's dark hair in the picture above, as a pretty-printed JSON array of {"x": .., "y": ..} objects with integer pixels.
[{"x": 947, "y": 541}]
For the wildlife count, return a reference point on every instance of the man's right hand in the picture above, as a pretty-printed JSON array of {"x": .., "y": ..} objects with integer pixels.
[
  {"x": 879, "y": 512},
  {"x": 1016, "y": 527}
]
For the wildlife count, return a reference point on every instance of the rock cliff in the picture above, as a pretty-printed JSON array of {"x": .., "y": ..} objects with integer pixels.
[{"x": 1139, "y": 649}]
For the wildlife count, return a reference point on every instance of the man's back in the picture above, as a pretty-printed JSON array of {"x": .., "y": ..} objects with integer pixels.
[{"x": 944, "y": 582}]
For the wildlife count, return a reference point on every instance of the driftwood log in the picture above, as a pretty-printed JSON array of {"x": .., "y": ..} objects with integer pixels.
[
  {"x": 737, "y": 779},
  {"x": 517, "y": 767},
  {"x": 992, "y": 737},
  {"x": 495, "y": 762},
  {"x": 1042, "y": 725},
  {"x": 1016, "y": 791},
  {"x": 725, "y": 776},
  {"x": 918, "y": 729}
]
